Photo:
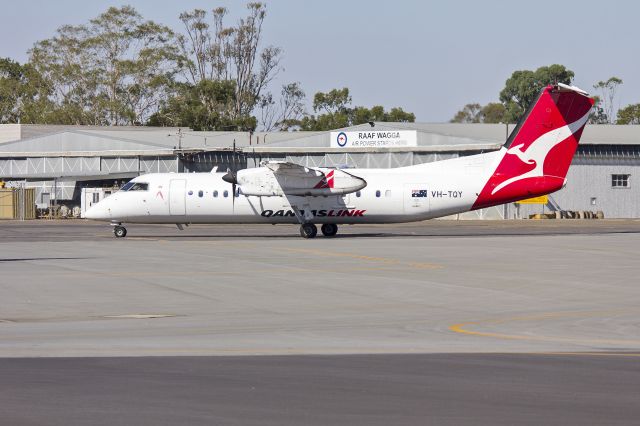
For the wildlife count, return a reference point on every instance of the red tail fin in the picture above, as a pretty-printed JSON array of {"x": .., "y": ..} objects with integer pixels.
[{"x": 540, "y": 149}]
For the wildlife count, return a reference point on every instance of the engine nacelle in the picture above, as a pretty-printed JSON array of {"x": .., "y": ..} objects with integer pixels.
[{"x": 262, "y": 181}]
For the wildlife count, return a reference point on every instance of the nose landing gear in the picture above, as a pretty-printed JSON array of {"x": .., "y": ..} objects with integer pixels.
[{"x": 119, "y": 231}]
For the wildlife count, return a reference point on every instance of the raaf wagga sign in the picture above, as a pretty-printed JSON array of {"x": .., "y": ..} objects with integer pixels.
[{"x": 374, "y": 139}]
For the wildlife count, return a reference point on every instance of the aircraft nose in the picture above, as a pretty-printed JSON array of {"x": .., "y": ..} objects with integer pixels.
[{"x": 98, "y": 211}]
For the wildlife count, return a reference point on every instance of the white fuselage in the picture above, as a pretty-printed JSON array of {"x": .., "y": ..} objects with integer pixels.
[{"x": 402, "y": 194}]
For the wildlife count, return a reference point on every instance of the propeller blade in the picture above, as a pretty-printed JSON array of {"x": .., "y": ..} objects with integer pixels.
[
  {"x": 232, "y": 178},
  {"x": 233, "y": 200}
]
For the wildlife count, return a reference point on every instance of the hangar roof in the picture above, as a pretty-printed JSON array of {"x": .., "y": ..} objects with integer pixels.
[
  {"x": 75, "y": 140},
  {"x": 438, "y": 134}
]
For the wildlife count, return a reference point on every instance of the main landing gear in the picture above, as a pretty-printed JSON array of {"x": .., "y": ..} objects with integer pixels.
[
  {"x": 119, "y": 231},
  {"x": 309, "y": 230},
  {"x": 329, "y": 229}
]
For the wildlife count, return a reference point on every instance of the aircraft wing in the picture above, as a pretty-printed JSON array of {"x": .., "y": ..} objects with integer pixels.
[
  {"x": 294, "y": 179},
  {"x": 285, "y": 168}
]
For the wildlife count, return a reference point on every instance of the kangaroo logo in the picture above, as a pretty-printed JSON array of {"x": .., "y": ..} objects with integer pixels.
[
  {"x": 326, "y": 181},
  {"x": 537, "y": 152}
]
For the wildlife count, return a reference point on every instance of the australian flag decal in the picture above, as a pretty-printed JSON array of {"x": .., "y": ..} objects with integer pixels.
[{"x": 415, "y": 193}]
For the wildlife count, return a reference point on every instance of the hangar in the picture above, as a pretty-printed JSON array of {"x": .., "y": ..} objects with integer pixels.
[{"x": 61, "y": 160}]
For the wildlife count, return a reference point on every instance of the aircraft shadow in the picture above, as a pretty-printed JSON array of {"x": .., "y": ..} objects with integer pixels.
[
  {"x": 26, "y": 259},
  {"x": 376, "y": 235}
]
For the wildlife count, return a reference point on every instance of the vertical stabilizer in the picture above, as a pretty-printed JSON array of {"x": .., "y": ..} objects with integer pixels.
[{"x": 539, "y": 151}]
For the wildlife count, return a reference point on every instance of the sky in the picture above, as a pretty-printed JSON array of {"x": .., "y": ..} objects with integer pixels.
[{"x": 428, "y": 57}]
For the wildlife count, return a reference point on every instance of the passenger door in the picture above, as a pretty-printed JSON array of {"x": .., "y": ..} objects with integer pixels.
[{"x": 177, "y": 196}]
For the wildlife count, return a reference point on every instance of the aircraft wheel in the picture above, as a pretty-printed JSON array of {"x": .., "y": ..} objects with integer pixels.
[
  {"x": 308, "y": 230},
  {"x": 329, "y": 229},
  {"x": 119, "y": 231}
]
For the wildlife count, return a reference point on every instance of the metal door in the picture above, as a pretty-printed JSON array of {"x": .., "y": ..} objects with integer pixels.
[{"x": 177, "y": 195}]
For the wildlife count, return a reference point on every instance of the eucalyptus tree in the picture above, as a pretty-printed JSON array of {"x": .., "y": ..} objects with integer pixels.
[
  {"x": 214, "y": 51},
  {"x": 608, "y": 90},
  {"x": 287, "y": 112},
  {"x": 522, "y": 87},
  {"x": 333, "y": 110},
  {"x": 114, "y": 70},
  {"x": 629, "y": 114}
]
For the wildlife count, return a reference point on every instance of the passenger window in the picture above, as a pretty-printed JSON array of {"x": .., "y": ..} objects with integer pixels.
[
  {"x": 378, "y": 193},
  {"x": 190, "y": 192},
  {"x": 238, "y": 192},
  {"x": 200, "y": 194},
  {"x": 358, "y": 194},
  {"x": 215, "y": 194},
  {"x": 139, "y": 186},
  {"x": 225, "y": 193},
  {"x": 387, "y": 193}
]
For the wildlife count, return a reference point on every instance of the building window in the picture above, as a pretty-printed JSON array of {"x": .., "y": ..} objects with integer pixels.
[
  {"x": 378, "y": 193},
  {"x": 593, "y": 200},
  {"x": 620, "y": 181},
  {"x": 200, "y": 194},
  {"x": 215, "y": 194},
  {"x": 387, "y": 193}
]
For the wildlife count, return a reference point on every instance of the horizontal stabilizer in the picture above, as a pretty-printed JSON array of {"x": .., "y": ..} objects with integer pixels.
[{"x": 566, "y": 88}]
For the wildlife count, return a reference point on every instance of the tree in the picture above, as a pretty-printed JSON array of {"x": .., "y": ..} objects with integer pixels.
[
  {"x": 11, "y": 87},
  {"x": 196, "y": 45},
  {"x": 231, "y": 53},
  {"x": 469, "y": 114},
  {"x": 522, "y": 88},
  {"x": 207, "y": 105},
  {"x": 113, "y": 71},
  {"x": 398, "y": 115},
  {"x": 598, "y": 116},
  {"x": 63, "y": 64},
  {"x": 608, "y": 90},
  {"x": 287, "y": 114},
  {"x": 333, "y": 102},
  {"x": 493, "y": 112},
  {"x": 336, "y": 113},
  {"x": 474, "y": 113},
  {"x": 23, "y": 94},
  {"x": 629, "y": 114}
]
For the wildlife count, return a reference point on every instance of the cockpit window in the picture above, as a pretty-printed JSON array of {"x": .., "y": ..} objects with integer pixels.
[
  {"x": 135, "y": 186},
  {"x": 139, "y": 186}
]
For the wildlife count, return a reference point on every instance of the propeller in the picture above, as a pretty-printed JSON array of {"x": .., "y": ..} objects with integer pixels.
[{"x": 232, "y": 176}]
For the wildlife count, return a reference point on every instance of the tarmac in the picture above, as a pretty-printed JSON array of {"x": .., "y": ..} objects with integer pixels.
[{"x": 522, "y": 322}]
